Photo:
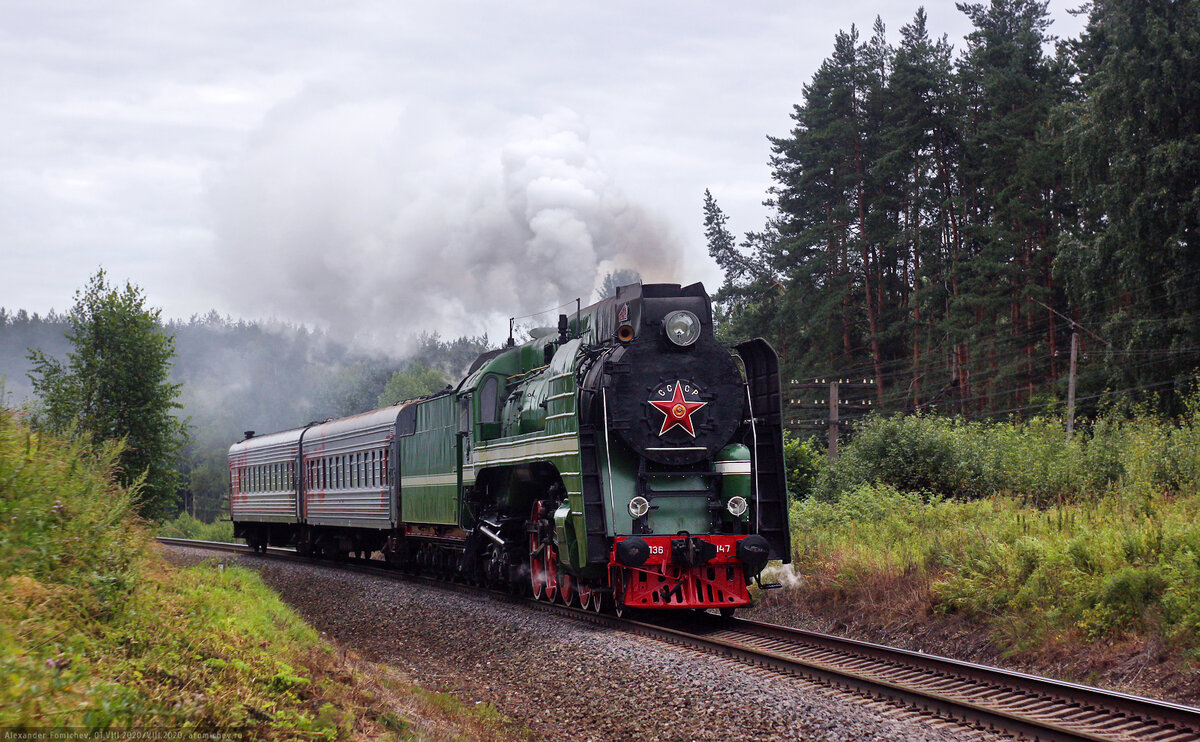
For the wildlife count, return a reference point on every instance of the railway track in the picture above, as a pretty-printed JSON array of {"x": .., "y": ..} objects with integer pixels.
[{"x": 1025, "y": 706}]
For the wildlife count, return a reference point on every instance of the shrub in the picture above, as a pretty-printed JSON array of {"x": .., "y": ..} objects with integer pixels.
[
  {"x": 803, "y": 460},
  {"x": 62, "y": 517},
  {"x": 1031, "y": 459},
  {"x": 910, "y": 453},
  {"x": 185, "y": 526}
]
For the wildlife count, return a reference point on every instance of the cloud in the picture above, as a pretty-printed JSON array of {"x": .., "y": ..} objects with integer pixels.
[{"x": 381, "y": 218}]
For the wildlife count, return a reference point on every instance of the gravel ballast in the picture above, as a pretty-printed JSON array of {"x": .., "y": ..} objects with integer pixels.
[{"x": 567, "y": 679}]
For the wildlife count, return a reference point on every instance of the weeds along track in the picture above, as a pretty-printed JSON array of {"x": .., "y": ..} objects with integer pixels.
[{"x": 974, "y": 696}]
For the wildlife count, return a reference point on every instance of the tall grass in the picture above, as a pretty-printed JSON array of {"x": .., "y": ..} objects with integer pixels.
[
  {"x": 185, "y": 526},
  {"x": 98, "y": 632},
  {"x": 1093, "y": 538},
  {"x": 63, "y": 519}
]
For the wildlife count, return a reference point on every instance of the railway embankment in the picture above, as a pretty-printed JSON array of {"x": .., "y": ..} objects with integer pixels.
[
  {"x": 98, "y": 632},
  {"x": 1007, "y": 543},
  {"x": 569, "y": 679}
]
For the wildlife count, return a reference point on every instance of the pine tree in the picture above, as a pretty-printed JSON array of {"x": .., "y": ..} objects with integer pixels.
[
  {"x": 1133, "y": 147},
  {"x": 746, "y": 297},
  {"x": 919, "y": 141},
  {"x": 613, "y": 280},
  {"x": 1008, "y": 175}
]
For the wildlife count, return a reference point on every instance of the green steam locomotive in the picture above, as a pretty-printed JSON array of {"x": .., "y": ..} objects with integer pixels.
[{"x": 623, "y": 459}]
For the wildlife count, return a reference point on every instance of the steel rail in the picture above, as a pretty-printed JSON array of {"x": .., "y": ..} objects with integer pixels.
[{"x": 993, "y": 698}]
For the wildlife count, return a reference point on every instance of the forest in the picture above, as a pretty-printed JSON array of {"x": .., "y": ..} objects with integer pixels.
[{"x": 944, "y": 220}]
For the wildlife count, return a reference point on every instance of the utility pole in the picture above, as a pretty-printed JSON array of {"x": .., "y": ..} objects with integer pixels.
[
  {"x": 856, "y": 407},
  {"x": 1071, "y": 384},
  {"x": 834, "y": 428}
]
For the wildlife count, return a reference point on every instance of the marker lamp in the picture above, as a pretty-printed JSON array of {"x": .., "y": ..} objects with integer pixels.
[
  {"x": 639, "y": 506},
  {"x": 737, "y": 506}
]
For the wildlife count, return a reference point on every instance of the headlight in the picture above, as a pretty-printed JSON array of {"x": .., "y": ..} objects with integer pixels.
[
  {"x": 737, "y": 506},
  {"x": 683, "y": 327},
  {"x": 639, "y": 506}
]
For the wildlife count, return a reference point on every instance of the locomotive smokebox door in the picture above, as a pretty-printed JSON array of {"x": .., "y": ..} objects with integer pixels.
[{"x": 674, "y": 413}]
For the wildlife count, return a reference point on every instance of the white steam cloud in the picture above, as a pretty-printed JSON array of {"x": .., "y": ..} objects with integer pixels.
[{"x": 379, "y": 220}]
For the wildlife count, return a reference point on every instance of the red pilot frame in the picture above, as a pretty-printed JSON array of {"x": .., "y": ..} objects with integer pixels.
[{"x": 681, "y": 571}]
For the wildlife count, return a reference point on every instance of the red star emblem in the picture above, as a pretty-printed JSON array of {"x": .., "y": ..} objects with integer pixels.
[{"x": 677, "y": 411}]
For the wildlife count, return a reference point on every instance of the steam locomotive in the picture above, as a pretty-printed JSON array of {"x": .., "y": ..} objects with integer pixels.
[{"x": 624, "y": 459}]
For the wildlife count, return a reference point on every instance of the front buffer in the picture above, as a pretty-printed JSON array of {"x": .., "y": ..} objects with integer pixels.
[{"x": 685, "y": 571}]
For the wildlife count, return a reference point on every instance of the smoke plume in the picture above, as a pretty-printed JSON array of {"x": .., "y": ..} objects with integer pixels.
[{"x": 378, "y": 220}]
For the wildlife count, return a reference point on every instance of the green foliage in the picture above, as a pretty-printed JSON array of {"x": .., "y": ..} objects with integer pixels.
[
  {"x": 415, "y": 381},
  {"x": 909, "y": 453},
  {"x": 62, "y": 518},
  {"x": 803, "y": 460},
  {"x": 1032, "y": 460},
  {"x": 185, "y": 526},
  {"x": 97, "y": 632},
  {"x": 1010, "y": 524},
  {"x": 115, "y": 387},
  {"x": 1132, "y": 144}
]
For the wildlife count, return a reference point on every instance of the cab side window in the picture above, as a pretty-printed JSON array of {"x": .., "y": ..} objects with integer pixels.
[{"x": 488, "y": 394}]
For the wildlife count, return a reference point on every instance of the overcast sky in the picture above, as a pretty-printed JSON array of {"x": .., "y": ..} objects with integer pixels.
[{"x": 388, "y": 165}]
